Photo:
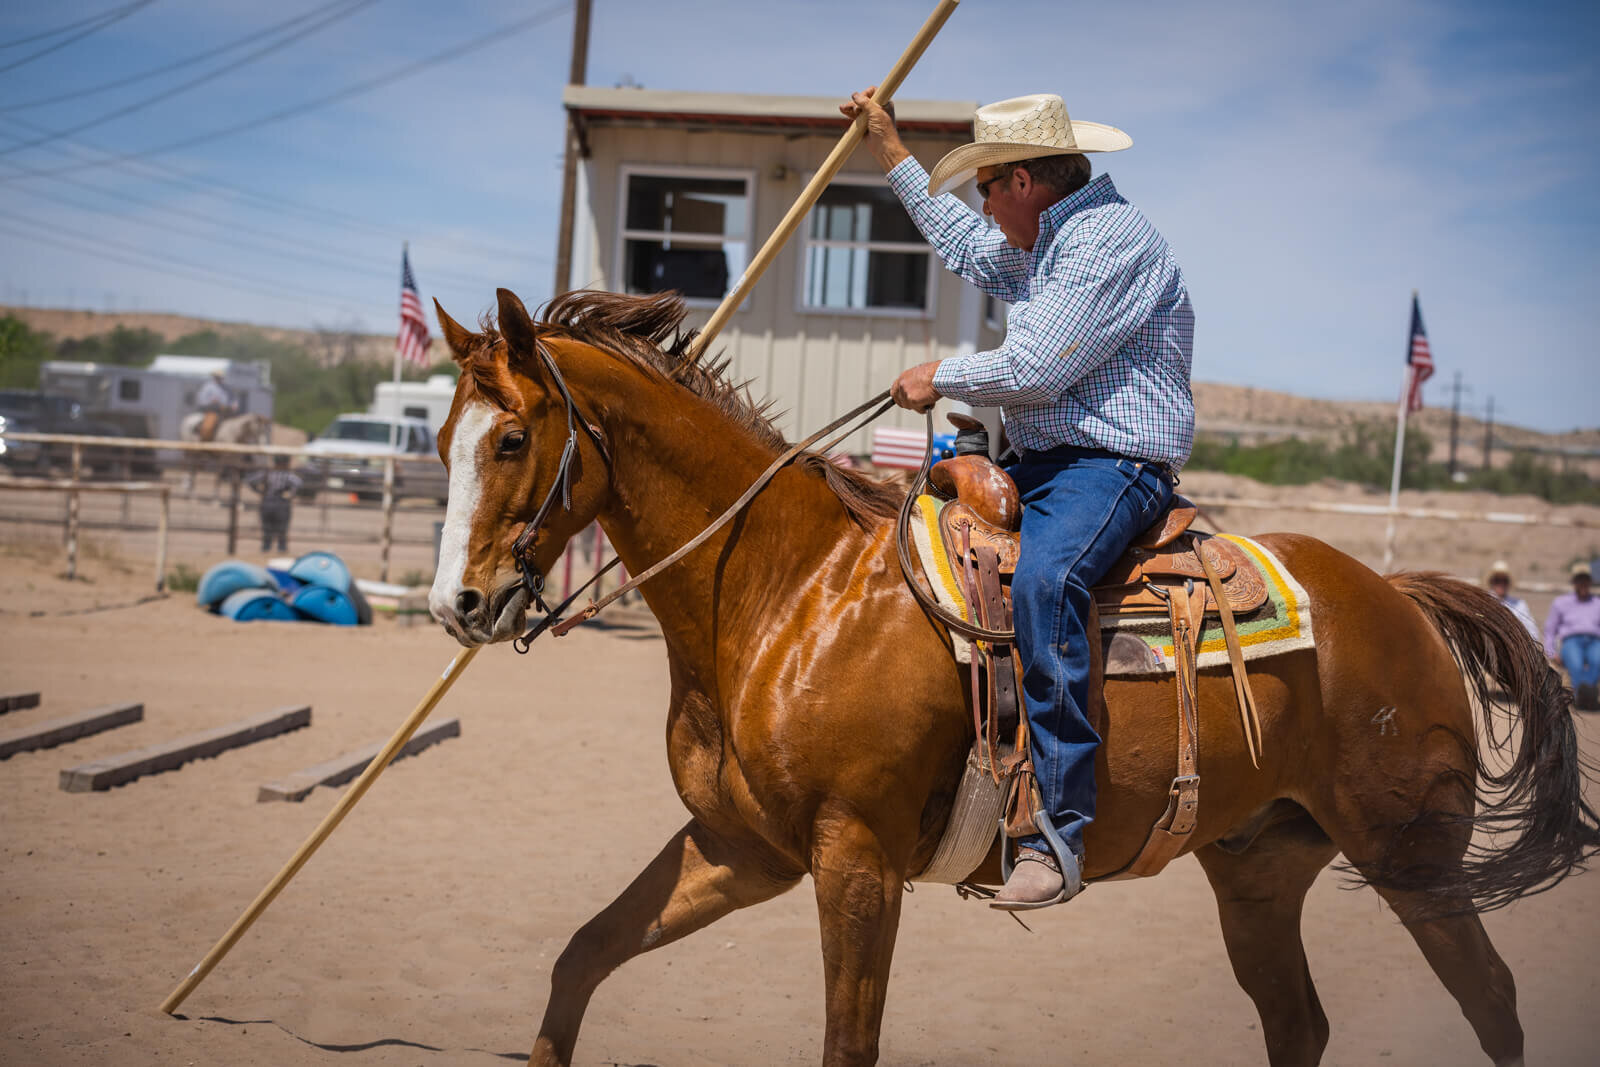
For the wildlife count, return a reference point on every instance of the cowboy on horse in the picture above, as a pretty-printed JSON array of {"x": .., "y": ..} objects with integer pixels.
[
  {"x": 216, "y": 403},
  {"x": 1093, "y": 381}
]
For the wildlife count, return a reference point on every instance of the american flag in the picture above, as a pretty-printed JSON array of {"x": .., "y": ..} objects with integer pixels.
[
  {"x": 1419, "y": 356},
  {"x": 413, "y": 340}
]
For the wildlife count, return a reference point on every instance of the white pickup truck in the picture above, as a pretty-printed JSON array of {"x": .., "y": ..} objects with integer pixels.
[{"x": 373, "y": 438}]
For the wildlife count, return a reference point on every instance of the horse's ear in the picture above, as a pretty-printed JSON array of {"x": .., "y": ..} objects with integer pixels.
[
  {"x": 457, "y": 336},
  {"x": 516, "y": 326}
]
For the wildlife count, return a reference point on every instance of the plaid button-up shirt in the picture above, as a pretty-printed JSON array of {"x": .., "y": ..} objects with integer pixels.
[{"x": 1099, "y": 277}]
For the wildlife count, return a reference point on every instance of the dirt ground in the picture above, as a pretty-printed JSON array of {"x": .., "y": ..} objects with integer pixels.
[{"x": 424, "y": 931}]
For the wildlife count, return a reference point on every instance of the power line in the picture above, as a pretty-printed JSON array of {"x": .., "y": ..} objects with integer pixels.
[
  {"x": 96, "y": 242},
  {"x": 299, "y": 251},
  {"x": 96, "y": 17},
  {"x": 454, "y": 52},
  {"x": 165, "y": 94},
  {"x": 99, "y": 23},
  {"x": 179, "y": 64},
  {"x": 170, "y": 175},
  {"x": 254, "y": 289}
]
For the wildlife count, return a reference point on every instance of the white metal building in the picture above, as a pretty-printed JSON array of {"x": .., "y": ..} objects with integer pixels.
[{"x": 678, "y": 191}]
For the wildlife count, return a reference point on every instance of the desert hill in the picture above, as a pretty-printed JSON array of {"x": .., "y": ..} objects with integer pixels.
[{"x": 1249, "y": 414}]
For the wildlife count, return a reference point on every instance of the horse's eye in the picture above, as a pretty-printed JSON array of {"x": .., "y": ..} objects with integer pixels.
[{"x": 511, "y": 442}]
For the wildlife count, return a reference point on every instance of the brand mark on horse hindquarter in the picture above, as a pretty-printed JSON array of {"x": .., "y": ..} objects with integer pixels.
[{"x": 1385, "y": 719}]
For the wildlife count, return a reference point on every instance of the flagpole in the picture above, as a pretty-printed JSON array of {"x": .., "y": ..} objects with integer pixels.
[
  {"x": 1399, "y": 457},
  {"x": 394, "y": 422}
]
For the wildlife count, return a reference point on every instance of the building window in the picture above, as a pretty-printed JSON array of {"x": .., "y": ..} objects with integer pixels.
[
  {"x": 684, "y": 230},
  {"x": 863, "y": 252},
  {"x": 128, "y": 389},
  {"x": 995, "y": 312}
]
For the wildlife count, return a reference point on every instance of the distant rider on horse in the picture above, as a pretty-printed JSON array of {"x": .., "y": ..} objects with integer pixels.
[
  {"x": 1093, "y": 383},
  {"x": 216, "y": 402}
]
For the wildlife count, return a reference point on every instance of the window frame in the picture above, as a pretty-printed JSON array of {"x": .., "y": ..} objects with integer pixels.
[
  {"x": 996, "y": 322},
  {"x": 626, "y": 171},
  {"x": 930, "y": 307}
]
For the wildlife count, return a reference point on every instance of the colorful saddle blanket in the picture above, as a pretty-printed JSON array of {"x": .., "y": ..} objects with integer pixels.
[{"x": 1141, "y": 644}]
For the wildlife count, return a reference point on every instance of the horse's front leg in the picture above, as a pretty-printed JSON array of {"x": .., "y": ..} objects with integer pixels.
[
  {"x": 858, "y": 900},
  {"x": 694, "y": 881}
]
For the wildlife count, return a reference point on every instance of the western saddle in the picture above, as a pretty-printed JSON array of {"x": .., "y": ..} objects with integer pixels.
[{"x": 1168, "y": 570}]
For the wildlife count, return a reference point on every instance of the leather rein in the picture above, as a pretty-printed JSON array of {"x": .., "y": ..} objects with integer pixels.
[{"x": 522, "y": 549}]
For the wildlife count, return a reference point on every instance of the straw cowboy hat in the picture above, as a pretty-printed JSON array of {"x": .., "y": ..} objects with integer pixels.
[
  {"x": 1025, "y": 127},
  {"x": 1498, "y": 567},
  {"x": 1581, "y": 570}
]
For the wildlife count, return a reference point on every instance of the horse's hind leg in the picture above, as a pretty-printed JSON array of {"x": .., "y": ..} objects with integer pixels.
[
  {"x": 694, "y": 881},
  {"x": 1460, "y": 953},
  {"x": 1259, "y": 897},
  {"x": 1455, "y": 945}
]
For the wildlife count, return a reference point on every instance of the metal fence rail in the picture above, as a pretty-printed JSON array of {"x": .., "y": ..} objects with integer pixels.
[
  {"x": 74, "y": 487},
  {"x": 79, "y": 442}
]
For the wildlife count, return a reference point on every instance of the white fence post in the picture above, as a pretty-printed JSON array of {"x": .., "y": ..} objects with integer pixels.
[
  {"x": 161, "y": 539},
  {"x": 386, "y": 538},
  {"x": 72, "y": 512}
]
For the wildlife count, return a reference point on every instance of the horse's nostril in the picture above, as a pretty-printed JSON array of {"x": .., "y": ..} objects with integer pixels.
[{"x": 468, "y": 601}]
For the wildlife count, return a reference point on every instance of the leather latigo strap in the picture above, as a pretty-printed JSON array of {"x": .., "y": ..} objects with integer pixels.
[
  {"x": 1171, "y": 832},
  {"x": 1249, "y": 717},
  {"x": 1001, "y": 655}
]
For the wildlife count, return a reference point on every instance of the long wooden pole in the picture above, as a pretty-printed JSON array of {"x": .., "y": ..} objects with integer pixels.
[
  {"x": 329, "y": 823},
  {"x": 846, "y": 145},
  {"x": 819, "y": 181}
]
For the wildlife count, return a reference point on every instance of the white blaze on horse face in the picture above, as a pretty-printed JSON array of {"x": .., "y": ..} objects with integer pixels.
[{"x": 465, "y": 491}]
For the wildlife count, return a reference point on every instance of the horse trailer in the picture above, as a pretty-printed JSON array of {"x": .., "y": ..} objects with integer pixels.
[{"x": 152, "y": 401}]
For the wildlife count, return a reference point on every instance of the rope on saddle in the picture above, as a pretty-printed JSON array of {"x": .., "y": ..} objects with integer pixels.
[{"x": 902, "y": 543}]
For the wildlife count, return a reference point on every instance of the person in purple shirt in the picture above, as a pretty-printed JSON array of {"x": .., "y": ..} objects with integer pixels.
[{"x": 1572, "y": 636}]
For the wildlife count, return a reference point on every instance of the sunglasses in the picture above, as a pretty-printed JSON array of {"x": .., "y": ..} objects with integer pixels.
[{"x": 983, "y": 186}]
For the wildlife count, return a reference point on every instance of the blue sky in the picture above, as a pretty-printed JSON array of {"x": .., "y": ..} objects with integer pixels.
[{"x": 1310, "y": 164}]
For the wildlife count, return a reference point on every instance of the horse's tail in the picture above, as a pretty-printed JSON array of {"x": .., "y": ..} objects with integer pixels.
[{"x": 1534, "y": 826}]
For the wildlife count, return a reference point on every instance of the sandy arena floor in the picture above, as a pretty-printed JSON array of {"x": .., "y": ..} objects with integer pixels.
[{"x": 423, "y": 932}]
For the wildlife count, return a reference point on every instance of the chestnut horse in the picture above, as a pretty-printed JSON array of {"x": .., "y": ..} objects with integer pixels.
[{"x": 818, "y": 724}]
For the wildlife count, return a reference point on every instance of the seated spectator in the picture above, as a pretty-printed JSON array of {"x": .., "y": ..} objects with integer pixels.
[
  {"x": 1572, "y": 636},
  {"x": 1498, "y": 579}
]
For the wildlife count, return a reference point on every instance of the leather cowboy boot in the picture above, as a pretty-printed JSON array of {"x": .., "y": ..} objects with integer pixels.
[{"x": 1036, "y": 882}]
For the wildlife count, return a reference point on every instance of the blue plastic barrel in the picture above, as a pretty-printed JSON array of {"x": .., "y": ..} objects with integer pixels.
[
  {"x": 324, "y": 605},
  {"x": 253, "y": 605},
  {"x": 322, "y": 568},
  {"x": 229, "y": 577}
]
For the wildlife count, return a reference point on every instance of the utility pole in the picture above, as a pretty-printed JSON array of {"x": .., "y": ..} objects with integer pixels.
[
  {"x": 569, "y": 167},
  {"x": 1488, "y": 434},
  {"x": 1455, "y": 421}
]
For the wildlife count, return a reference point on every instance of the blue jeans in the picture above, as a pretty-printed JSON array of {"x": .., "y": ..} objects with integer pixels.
[
  {"x": 1081, "y": 509},
  {"x": 1580, "y": 655}
]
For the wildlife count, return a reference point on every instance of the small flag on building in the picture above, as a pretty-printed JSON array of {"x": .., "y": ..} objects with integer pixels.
[
  {"x": 412, "y": 343},
  {"x": 1420, "y": 358}
]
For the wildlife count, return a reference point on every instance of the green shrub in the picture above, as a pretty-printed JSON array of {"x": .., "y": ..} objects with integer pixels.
[
  {"x": 1364, "y": 454},
  {"x": 182, "y": 579}
]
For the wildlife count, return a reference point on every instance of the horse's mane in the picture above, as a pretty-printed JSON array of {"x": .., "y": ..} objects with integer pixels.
[{"x": 648, "y": 331}]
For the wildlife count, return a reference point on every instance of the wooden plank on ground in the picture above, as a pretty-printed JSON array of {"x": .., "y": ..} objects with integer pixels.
[
  {"x": 342, "y": 769},
  {"x": 17, "y": 701},
  {"x": 115, "y": 770},
  {"x": 67, "y": 728}
]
